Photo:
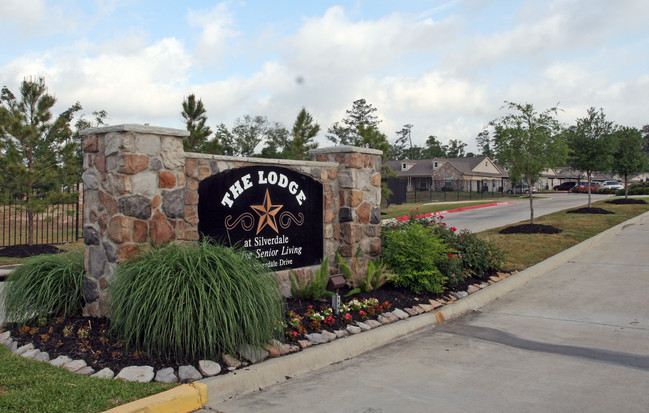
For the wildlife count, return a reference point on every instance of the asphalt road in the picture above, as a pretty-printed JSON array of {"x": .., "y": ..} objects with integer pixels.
[
  {"x": 574, "y": 339},
  {"x": 482, "y": 219}
]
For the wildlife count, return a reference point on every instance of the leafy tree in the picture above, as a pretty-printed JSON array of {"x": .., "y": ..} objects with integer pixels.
[
  {"x": 278, "y": 143},
  {"x": 645, "y": 138},
  {"x": 361, "y": 116},
  {"x": 455, "y": 148},
  {"x": 591, "y": 144},
  {"x": 248, "y": 132},
  {"x": 37, "y": 151},
  {"x": 629, "y": 157},
  {"x": 528, "y": 142},
  {"x": 433, "y": 149},
  {"x": 484, "y": 143},
  {"x": 304, "y": 132},
  {"x": 403, "y": 147},
  {"x": 195, "y": 122},
  {"x": 223, "y": 142}
]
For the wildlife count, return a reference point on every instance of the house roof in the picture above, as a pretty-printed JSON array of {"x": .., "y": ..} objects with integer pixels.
[{"x": 424, "y": 167}]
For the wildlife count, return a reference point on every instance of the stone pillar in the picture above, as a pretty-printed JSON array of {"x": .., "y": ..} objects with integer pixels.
[
  {"x": 134, "y": 193},
  {"x": 358, "y": 223}
]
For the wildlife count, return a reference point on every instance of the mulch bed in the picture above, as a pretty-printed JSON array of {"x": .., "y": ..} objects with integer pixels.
[
  {"x": 627, "y": 201},
  {"x": 586, "y": 210},
  {"x": 531, "y": 229},
  {"x": 23, "y": 250},
  {"x": 89, "y": 339}
]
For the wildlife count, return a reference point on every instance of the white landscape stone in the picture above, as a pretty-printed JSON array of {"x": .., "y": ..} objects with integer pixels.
[
  {"x": 188, "y": 373},
  {"x": 74, "y": 365},
  {"x": 253, "y": 354},
  {"x": 22, "y": 349},
  {"x": 373, "y": 323},
  {"x": 86, "y": 371},
  {"x": 4, "y": 337},
  {"x": 353, "y": 329},
  {"x": 30, "y": 354},
  {"x": 400, "y": 314},
  {"x": 166, "y": 376},
  {"x": 316, "y": 338},
  {"x": 363, "y": 326},
  {"x": 142, "y": 374},
  {"x": 329, "y": 335},
  {"x": 209, "y": 368},
  {"x": 60, "y": 360},
  {"x": 42, "y": 356},
  {"x": 104, "y": 373}
]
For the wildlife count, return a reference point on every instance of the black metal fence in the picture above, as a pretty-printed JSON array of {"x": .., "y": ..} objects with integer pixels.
[
  {"x": 55, "y": 224},
  {"x": 414, "y": 190}
]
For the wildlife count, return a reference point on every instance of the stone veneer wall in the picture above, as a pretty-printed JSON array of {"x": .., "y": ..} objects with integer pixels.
[{"x": 141, "y": 187}]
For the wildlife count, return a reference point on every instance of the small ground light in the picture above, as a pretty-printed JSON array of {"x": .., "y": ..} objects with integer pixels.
[{"x": 335, "y": 283}]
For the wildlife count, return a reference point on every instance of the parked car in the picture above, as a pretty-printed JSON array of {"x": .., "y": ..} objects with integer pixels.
[
  {"x": 565, "y": 186},
  {"x": 583, "y": 187},
  {"x": 520, "y": 189},
  {"x": 611, "y": 184}
]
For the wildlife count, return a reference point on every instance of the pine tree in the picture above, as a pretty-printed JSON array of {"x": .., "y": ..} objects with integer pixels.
[
  {"x": 37, "y": 152},
  {"x": 195, "y": 122}
]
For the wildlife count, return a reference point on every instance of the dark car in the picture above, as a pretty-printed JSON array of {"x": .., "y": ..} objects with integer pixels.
[{"x": 565, "y": 186}]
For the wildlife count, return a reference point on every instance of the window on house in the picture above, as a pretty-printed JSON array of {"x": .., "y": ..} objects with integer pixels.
[
  {"x": 403, "y": 166},
  {"x": 448, "y": 182},
  {"x": 435, "y": 164}
]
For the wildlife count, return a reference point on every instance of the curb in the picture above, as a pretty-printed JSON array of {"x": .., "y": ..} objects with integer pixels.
[
  {"x": 449, "y": 211},
  {"x": 184, "y": 398},
  {"x": 277, "y": 370}
]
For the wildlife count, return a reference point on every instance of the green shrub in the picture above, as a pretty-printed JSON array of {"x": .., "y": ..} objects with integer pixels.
[
  {"x": 635, "y": 189},
  {"x": 480, "y": 258},
  {"x": 359, "y": 277},
  {"x": 45, "y": 286},
  {"x": 313, "y": 286},
  {"x": 412, "y": 253},
  {"x": 195, "y": 301}
]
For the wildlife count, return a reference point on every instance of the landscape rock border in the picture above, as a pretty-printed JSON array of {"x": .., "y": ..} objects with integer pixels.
[{"x": 250, "y": 354}]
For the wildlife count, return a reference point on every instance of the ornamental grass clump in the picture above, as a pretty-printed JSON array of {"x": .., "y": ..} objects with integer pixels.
[
  {"x": 45, "y": 286},
  {"x": 195, "y": 301}
]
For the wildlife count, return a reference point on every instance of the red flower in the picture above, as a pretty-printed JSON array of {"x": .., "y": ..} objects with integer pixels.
[
  {"x": 453, "y": 229},
  {"x": 444, "y": 223},
  {"x": 450, "y": 255}
]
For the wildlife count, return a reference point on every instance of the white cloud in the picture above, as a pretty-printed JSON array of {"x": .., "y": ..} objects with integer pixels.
[
  {"x": 217, "y": 28},
  {"x": 36, "y": 17}
]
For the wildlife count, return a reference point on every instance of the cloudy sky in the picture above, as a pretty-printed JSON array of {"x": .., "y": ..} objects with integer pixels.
[{"x": 443, "y": 66}]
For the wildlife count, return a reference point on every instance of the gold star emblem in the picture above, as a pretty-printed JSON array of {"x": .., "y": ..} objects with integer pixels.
[{"x": 267, "y": 212}]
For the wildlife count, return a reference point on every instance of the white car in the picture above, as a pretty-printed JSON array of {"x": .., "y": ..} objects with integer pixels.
[{"x": 611, "y": 184}]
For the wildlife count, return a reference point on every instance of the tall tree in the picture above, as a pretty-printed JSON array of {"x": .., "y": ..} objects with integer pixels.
[
  {"x": 455, "y": 149},
  {"x": 278, "y": 142},
  {"x": 434, "y": 148},
  {"x": 528, "y": 142},
  {"x": 591, "y": 144},
  {"x": 248, "y": 133},
  {"x": 484, "y": 143},
  {"x": 348, "y": 131},
  {"x": 304, "y": 132},
  {"x": 36, "y": 149},
  {"x": 195, "y": 122},
  {"x": 403, "y": 147},
  {"x": 629, "y": 158}
]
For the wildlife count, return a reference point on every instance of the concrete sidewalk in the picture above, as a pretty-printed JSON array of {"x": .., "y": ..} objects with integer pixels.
[{"x": 568, "y": 334}]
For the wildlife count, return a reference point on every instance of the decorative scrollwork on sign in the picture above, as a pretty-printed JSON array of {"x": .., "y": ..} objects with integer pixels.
[
  {"x": 247, "y": 221},
  {"x": 286, "y": 217}
]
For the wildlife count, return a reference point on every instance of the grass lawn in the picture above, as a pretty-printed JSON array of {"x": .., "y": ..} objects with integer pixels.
[
  {"x": 27, "y": 385},
  {"x": 34, "y": 386},
  {"x": 525, "y": 250},
  {"x": 396, "y": 211}
]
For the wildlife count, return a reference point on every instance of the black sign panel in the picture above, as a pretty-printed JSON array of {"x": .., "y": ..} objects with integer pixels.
[{"x": 275, "y": 213}]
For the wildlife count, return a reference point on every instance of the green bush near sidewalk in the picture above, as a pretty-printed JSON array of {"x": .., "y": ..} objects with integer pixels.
[
  {"x": 45, "y": 286},
  {"x": 195, "y": 301}
]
